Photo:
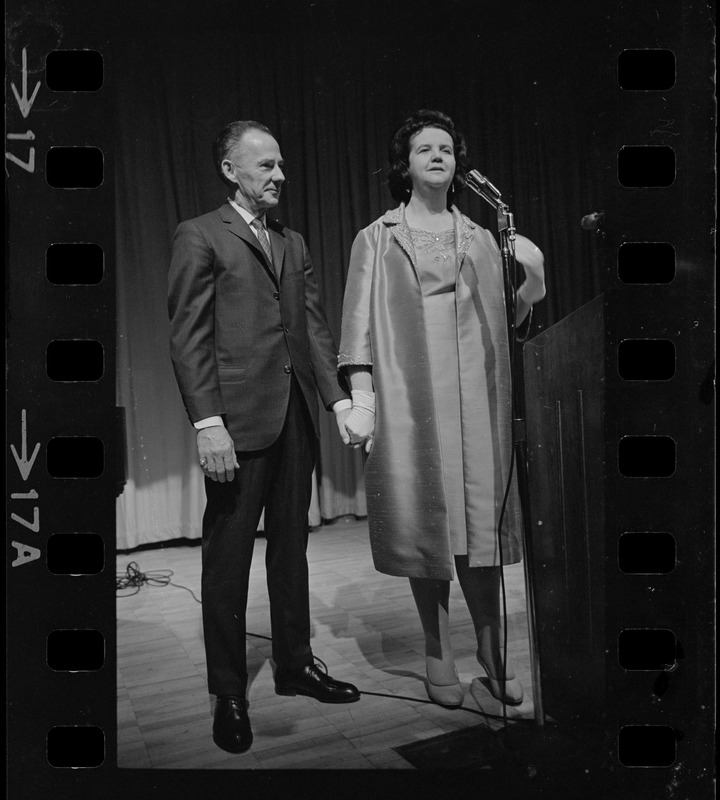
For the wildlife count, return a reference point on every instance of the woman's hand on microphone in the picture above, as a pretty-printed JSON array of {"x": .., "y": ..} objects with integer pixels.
[{"x": 533, "y": 261}]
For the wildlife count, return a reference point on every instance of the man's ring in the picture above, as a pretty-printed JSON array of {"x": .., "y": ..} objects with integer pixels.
[{"x": 203, "y": 462}]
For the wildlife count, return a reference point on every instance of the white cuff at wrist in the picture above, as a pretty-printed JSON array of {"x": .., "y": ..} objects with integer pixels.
[
  {"x": 363, "y": 399},
  {"x": 209, "y": 422}
]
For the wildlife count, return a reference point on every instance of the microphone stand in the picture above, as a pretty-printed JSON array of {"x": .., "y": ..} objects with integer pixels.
[
  {"x": 506, "y": 228},
  {"x": 544, "y": 744}
]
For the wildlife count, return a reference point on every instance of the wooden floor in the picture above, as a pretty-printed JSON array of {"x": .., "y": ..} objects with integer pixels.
[{"x": 366, "y": 630}]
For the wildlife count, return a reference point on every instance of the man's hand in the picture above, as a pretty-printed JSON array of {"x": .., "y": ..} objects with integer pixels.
[
  {"x": 216, "y": 451},
  {"x": 340, "y": 417},
  {"x": 360, "y": 424}
]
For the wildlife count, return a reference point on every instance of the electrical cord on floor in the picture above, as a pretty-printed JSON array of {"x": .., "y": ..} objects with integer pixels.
[{"x": 134, "y": 578}]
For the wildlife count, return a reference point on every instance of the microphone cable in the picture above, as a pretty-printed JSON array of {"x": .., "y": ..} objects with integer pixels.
[
  {"x": 510, "y": 282},
  {"x": 134, "y": 579}
]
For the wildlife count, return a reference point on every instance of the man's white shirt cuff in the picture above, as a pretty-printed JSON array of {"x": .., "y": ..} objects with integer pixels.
[{"x": 208, "y": 422}]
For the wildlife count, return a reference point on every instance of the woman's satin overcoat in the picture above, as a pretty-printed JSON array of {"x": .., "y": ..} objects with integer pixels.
[{"x": 383, "y": 327}]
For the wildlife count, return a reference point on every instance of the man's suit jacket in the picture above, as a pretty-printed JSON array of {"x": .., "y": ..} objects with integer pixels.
[{"x": 238, "y": 331}]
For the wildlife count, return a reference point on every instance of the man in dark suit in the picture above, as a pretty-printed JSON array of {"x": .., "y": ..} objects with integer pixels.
[{"x": 251, "y": 350}]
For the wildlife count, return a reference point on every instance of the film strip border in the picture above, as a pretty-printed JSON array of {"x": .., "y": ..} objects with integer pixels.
[
  {"x": 659, "y": 340},
  {"x": 64, "y": 459},
  {"x": 643, "y": 334},
  {"x": 63, "y": 455}
]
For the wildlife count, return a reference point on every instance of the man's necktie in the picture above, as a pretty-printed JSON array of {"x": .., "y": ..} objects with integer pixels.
[{"x": 263, "y": 238}]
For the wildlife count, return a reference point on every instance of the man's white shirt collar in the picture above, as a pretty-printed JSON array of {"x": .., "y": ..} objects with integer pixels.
[{"x": 245, "y": 214}]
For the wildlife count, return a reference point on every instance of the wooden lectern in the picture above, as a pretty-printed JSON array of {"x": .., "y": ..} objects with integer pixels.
[{"x": 565, "y": 389}]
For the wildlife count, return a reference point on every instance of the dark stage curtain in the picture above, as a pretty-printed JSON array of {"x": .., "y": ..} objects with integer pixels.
[{"x": 333, "y": 80}]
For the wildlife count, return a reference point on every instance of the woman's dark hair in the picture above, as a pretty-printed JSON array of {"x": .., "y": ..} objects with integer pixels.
[
  {"x": 399, "y": 153},
  {"x": 228, "y": 137}
]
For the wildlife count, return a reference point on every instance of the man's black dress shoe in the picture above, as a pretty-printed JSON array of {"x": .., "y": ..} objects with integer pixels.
[
  {"x": 311, "y": 682},
  {"x": 231, "y": 728}
]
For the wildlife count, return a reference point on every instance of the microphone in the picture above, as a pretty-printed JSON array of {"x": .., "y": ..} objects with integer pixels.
[
  {"x": 476, "y": 180},
  {"x": 591, "y": 222}
]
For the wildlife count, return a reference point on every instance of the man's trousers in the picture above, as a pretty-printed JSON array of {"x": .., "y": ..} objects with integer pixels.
[{"x": 278, "y": 479}]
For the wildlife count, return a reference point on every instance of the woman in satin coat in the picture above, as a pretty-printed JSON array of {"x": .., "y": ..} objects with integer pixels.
[{"x": 424, "y": 343}]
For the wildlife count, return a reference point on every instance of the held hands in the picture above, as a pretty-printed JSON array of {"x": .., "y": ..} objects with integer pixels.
[
  {"x": 340, "y": 418},
  {"x": 533, "y": 261},
  {"x": 360, "y": 422},
  {"x": 217, "y": 453}
]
